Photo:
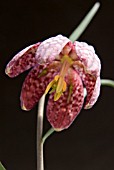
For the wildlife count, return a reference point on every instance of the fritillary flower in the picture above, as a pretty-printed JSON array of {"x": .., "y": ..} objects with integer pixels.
[{"x": 62, "y": 68}]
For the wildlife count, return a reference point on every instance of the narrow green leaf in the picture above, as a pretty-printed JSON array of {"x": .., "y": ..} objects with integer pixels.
[
  {"x": 2, "y": 167},
  {"x": 84, "y": 23}
]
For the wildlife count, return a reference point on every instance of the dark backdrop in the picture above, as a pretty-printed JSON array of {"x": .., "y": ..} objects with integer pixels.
[{"x": 89, "y": 143}]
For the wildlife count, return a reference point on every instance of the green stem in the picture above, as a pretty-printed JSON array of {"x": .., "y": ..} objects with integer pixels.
[
  {"x": 40, "y": 159},
  {"x": 84, "y": 23},
  {"x": 48, "y": 133},
  {"x": 2, "y": 167},
  {"x": 107, "y": 82}
]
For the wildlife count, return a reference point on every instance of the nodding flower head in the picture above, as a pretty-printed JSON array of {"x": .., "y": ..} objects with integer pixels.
[{"x": 63, "y": 69}]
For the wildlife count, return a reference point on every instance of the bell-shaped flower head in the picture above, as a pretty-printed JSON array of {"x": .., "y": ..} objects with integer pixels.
[{"x": 63, "y": 69}]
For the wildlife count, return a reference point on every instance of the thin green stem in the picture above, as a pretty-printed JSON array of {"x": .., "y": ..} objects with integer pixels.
[
  {"x": 84, "y": 23},
  {"x": 40, "y": 159},
  {"x": 107, "y": 82},
  {"x": 48, "y": 133},
  {"x": 2, "y": 167}
]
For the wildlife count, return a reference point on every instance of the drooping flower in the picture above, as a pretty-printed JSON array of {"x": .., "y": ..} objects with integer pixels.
[{"x": 63, "y": 69}]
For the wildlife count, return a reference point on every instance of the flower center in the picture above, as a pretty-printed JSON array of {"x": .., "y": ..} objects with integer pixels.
[{"x": 58, "y": 84}]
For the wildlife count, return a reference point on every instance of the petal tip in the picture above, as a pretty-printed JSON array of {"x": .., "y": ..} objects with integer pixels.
[
  {"x": 58, "y": 129},
  {"x": 23, "y": 107},
  {"x": 7, "y": 71},
  {"x": 88, "y": 106}
]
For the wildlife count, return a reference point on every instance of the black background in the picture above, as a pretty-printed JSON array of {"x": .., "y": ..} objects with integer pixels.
[{"x": 89, "y": 143}]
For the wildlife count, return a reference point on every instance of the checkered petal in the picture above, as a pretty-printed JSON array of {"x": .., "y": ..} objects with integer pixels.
[
  {"x": 86, "y": 54},
  {"x": 93, "y": 90},
  {"x": 62, "y": 113},
  {"x": 89, "y": 71},
  {"x": 22, "y": 61},
  {"x": 92, "y": 86},
  {"x": 35, "y": 85},
  {"x": 49, "y": 49}
]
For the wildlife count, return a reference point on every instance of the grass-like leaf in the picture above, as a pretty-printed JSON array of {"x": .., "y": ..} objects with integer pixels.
[{"x": 2, "y": 167}]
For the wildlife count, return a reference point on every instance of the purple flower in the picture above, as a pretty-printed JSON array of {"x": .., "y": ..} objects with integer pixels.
[{"x": 63, "y": 69}]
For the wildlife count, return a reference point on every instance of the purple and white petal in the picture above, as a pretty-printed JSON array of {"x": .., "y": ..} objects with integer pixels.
[
  {"x": 35, "y": 85},
  {"x": 49, "y": 49},
  {"x": 22, "y": 61},
  {"x": 63, "y": 112},
  {"x": 92, "y": 86},
  {"x": 89, "y": 59},
  {"x": 90, "y": 101}
]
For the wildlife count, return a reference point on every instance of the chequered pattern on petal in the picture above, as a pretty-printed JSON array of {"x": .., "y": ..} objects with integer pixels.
[
  {"x": 92, "y": 85},
  {"x": 35, "y": 85},
  {"x": 62, "y": 113},
  {"x": 50, "y": 49},
  {"x": 93, "y": 90},
  {"x": 94, "y": 96},
  {"x": 22, "y": 61},
  {"x": 87, "y": 56}
]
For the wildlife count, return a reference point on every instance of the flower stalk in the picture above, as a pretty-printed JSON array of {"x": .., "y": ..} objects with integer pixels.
[
  {"x": 48, "y": 133},
  {"x": 40, "y": 161},
  {"x": 107, "y": 82}
]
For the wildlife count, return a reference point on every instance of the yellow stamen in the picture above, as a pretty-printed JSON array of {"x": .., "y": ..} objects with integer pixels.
[
  {"x": 57, "y": 96},
  {"x": 58, "y": 84},
  {"x": 52, "y": 84},
  {"x": 64, "y": 86},
  {"x": 49, "y": 86},
  {"x": 67, "y": 61}
]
